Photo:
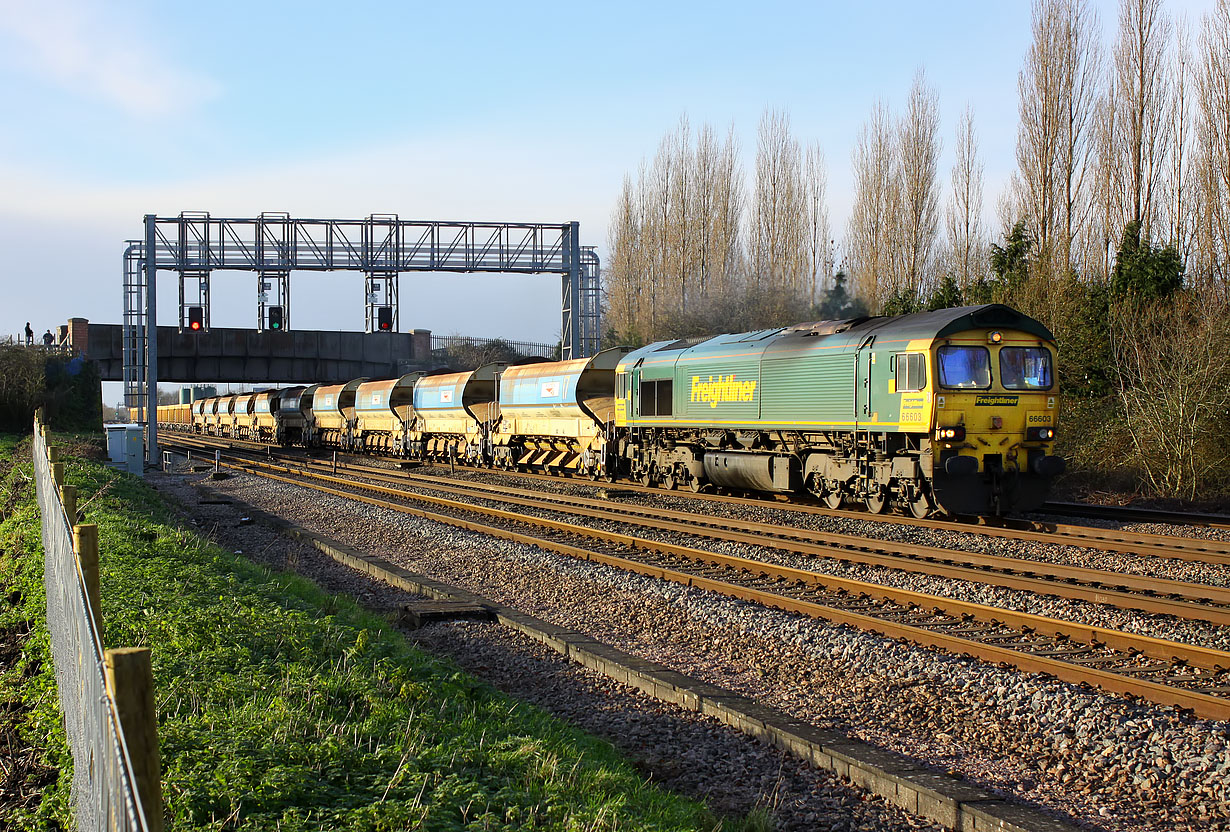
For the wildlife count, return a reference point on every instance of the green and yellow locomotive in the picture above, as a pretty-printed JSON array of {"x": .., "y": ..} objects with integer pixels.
[{"x": 952, "y": 410}]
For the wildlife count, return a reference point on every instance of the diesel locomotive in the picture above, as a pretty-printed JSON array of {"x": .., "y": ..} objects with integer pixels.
[{"x": 953, "y": 411}]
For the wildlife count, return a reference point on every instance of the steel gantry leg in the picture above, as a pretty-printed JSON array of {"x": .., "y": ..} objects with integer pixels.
[
  {"x": 571, "y": 324},
  {"x": 134, "y": 324},
  {"x": 151, "y": 339},
  {"x": 591, "y": 302}
]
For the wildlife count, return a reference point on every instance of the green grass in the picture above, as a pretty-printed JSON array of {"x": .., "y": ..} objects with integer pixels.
[{"x": 283, "y": 707}]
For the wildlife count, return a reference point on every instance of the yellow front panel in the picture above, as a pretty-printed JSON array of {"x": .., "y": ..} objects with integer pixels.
[{"x": 977, "y": 410}]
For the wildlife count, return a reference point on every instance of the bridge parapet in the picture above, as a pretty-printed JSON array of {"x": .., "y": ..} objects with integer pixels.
[{"x": 225, "y": 354}]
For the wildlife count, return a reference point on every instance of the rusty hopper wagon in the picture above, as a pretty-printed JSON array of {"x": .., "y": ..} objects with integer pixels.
[
  {"x": 384, "y": 411},
  {"x": 557, "y": 415}
]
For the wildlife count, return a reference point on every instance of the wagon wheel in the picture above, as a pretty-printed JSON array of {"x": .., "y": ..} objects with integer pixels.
[
  {"x": 921, "y": 506},
  {"x": 875, "y": 502},
  {"x": 696, "y": 484}
]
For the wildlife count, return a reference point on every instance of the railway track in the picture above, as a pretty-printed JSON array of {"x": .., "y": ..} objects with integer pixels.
[
  {"x": 1148, "y": 544},
  {"x": 1121, "y": 590},
  {"x": 1200, "y": 602},
  {"x": 1168, "y": 673}
]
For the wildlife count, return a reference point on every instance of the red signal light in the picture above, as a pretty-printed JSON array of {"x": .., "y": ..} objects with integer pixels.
[{"x": 194, "y": 325}]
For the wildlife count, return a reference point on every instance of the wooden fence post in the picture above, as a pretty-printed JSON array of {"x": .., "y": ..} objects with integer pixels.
[
  {"x": 68, "y": 498},
  {"x": 130, "y": 684},
  {"x": 85, "y": 542}
]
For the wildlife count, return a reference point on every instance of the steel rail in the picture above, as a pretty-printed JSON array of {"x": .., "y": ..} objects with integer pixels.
[
  {"x": 1172, "y": 547},
  {"x": 1174, "y": 654},
  {"x": 1155, "y": 595}
]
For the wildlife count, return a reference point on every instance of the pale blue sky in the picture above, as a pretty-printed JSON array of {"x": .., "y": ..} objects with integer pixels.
[{"x": 433, "y": 111}]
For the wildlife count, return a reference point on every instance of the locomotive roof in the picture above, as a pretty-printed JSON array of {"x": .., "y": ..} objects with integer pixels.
[
  {"x": 944, "y": 322},
  {"x": 919, "y": 325}
]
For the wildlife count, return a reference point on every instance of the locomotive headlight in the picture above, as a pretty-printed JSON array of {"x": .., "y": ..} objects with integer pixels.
[
  {"x": 1040, "y": 434},
  {"x": 995, "y": 337},
  {"x": 954, "y": 434}
]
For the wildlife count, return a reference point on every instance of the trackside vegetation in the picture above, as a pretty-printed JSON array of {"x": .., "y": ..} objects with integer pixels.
[{"x": 282, "y": 707}]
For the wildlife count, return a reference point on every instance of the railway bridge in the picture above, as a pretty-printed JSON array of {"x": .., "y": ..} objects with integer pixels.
[{"x": 225, "y": 354}]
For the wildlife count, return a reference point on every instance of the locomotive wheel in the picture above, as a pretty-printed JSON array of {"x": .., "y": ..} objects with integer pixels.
[
  {"x": 647, "y": 477},
  {"x": 670, "y": 481},
  {"x": 921, "y": 506},
  {"x": 832, "y": 499},
  {"x": 696, "y": 484},
  {"x": 875, "y": 503}
]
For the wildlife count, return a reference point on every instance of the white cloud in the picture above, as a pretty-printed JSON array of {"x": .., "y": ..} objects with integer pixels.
[{"x": 85, "y": 48}]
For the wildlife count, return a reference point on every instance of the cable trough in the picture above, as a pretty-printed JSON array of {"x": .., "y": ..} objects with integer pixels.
[{"x": 1164, "y": 672}]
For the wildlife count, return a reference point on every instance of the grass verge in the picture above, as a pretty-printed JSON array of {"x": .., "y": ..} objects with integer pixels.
[{"x": 283, "y": 707}]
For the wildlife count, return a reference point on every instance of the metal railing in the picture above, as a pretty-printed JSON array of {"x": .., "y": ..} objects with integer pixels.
[
  {"x": 18, "y": 341},
  {"x": 104, "y": 788},
  {"x": 530, "y": 349}
]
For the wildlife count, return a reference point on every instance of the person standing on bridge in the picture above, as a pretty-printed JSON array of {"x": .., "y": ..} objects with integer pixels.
[
  {"x": 48, "y": 339},
  {"x": 29, "y": 335}
]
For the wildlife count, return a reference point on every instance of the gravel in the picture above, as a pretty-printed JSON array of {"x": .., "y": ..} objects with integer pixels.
[
  {"x": 1097, "y": 759},
  {"x": 1156, "y": 626}
]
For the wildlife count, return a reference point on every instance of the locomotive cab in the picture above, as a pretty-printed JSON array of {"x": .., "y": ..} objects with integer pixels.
[{"x": 994, "y": 420}]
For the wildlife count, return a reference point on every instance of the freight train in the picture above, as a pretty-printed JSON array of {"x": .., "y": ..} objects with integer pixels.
[{"x": 953, "y": 411}]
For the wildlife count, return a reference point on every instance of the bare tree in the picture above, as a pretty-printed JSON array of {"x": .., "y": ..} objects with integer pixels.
[
  {"x": 870, "y": 234},
  {"x": 1212, "y": 159},
  {"x": 819, "y": 244},
  {"x": 659, "y": 214},
  {"x": 1058, "y": 90},
  {"x": 1175, "y": 390},
  {"x": 675, "y": 234},
  {"x": 1143, "y": 99},
  {"x": 1106, "y": 191},
  {"x": 1039, "y": 132},
  {"x": 1080, "y": 69},
  {"x": 778, "y": 230},
  {"x": 919, "y": 148},
  {"x": 622, "y": 275},
  {"x": 717, "y": 211},
  {"x": 966, "y": 237},
  {"x": 1178, "y": 174}
]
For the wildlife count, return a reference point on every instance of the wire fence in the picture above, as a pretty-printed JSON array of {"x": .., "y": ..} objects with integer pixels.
[{"x": 104, "y": 789}]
